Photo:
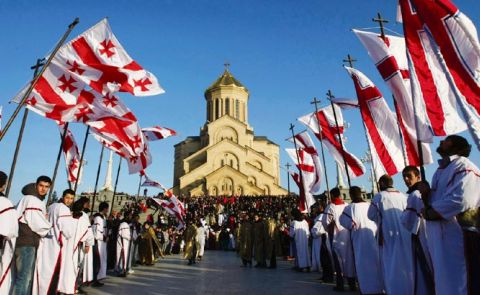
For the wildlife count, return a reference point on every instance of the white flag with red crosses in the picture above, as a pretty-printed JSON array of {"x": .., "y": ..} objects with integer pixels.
[{"x": 157, "y": 133}]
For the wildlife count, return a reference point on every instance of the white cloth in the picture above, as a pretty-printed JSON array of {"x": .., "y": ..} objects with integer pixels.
[
  {"x": 131, "y": 246},
  {"x": 455, "y": 189},
  {"x": 341, "y": 239},
  {"x": 123, "y": 240},
  {"x": 74, "y": 251},
  {"x": 99, "y": 228},
  {"x": 317, "y": 231},
  {"x": 87, "y": 275},
  {"x": 51, "y": 248},
  {"x": 32, "y": 212},
  {"x": 365, "y": 247},
  {"x": 300, "y": 231},
  {"x": 9, "y": 233},
  {"x": 395, "y": 241},
  {"x": 200, "y": 240}
]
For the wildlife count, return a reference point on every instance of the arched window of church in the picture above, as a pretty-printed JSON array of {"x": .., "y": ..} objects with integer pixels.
[
  {"x": 231, "y": 163},
  {"x": 223, "y": 163},
  {"x": 227, "y": 106},
  {"x": 217, "y": 109},
  {"x": 237, "y": 109},
  {"x": 209, "y": 112}
]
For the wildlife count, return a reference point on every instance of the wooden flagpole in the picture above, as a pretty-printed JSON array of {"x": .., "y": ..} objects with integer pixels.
[
  {"x": 96, "y": 179},
  {"x": 316, "y": 102},
  {"x": 116, "y": 183},
  {"x": 288, "y": 176},
  {"x": 20, "y": 134},
  {"x": 35, "y": 80},
  {"x": 55, "y": 170},
  {"x": 81, "y": 159},
  {"x": 330, "y": 96},
  {"x": 139, "y": 185}
]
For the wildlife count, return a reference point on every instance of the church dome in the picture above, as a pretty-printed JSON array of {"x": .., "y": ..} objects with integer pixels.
[{"x": 226, "y": 79}]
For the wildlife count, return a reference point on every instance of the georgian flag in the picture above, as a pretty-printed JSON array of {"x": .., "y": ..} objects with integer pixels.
[
  {"x": 345, "y": 103},
  {"x": 157, "y": 133},
  {"x": 71, "y": 153},
  {"x": 381, "y": 124},
  {"x": 329, "y": 134},
  {"x": 306, "y": 166},
  {"x": 152, "y": 183}
]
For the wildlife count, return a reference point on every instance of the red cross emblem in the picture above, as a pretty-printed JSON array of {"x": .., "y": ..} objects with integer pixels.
[
  {"x": 107, "y": 48},
  {"x": 67, "y": 84}
]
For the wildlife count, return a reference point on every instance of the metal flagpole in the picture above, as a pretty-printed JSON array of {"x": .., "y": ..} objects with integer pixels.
[
  {"x": 81, "y": 159},
  {"x": 96, "y": 180},
  {"x": 116, "y": 183},
  {"x": 20, "y": 134},
  {"x": 298, "y": 160},
  {"x": 288, "y": 176},
  {"x": 35, "y": 80},
  {"x": 55, "y": 170},
  {"x": 315, "y": 102},
  {"x": 330, "y": 96},
  {"x": 139, "y": 185}
]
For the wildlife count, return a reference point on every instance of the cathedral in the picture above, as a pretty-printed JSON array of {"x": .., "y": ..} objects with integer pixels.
[{"x": 227, "y": 158}]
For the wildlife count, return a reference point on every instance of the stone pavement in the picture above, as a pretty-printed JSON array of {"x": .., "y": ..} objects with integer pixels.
[{"x": 218, "y": 273}]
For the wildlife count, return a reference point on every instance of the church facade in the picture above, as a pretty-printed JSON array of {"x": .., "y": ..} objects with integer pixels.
[{"x": 227, "y": 158}]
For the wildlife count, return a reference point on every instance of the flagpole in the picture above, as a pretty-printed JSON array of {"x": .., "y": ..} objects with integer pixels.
[
  {"x": 330, "y": 96},
  {"x": 139, "y": 185},
  {"x": 55, "y": 170},
  {"x": 37, "y": 77},
  {"x": 298, "y": 161},
  {"x": 96, "y": 179},
  {"x": 116, "y": 183},
  {"x": 81, "y": 159},
  {"x": 315, "y": 102},
  {"x": 288, "y": 177},
  {"x": 20, "y": 134}
]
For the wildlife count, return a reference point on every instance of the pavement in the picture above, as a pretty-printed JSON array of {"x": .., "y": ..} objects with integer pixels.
[{"x": 218, "y": 273}]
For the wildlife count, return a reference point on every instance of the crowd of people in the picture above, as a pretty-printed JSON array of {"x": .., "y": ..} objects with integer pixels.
[{"x": 422, "y": 242}]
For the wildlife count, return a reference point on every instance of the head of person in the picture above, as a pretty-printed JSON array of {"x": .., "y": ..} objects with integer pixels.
[
  {"x": 3, "y": 181},
  {"x": 335, "y": 193},
  {"x": 103, "y": 208},
  {"x": 297, "y": 215},
  {"x": 356, "y": 194},
  {"x": 42, "y": 185},
  {"x": 454, "y": 145},
  {"x": 83, "y": 204},
  {"x": 411, "y": 175},
  {"x": 68, "y": 196},
  {"x": 385, "y": 182}
]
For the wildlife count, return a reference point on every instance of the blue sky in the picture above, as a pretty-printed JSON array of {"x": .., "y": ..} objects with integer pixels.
[{"x": 284, "y": 52}]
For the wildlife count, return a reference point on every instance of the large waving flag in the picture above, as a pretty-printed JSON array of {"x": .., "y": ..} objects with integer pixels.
[
  {"x": 430, "y": 81},
  {"x": 382, "y": 127},
  {"x": 329, "y": 135},
  {"x": 71, "y": 153}
]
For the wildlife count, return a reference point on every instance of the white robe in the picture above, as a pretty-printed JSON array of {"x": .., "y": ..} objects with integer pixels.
[
  {"x": 132, "y": 253},
  {"x": 87, "y": 275},
  {"x": 74, "y": 250},
  {"x": 300, "y": 232},
  {"x": 9, "y": 231},
  {"x": 396, "y": 246},
  {"x": 413, "y": 221},
  {"x": 32, "y": 212},
  {"x": 123, "y": 240},
  {"x": 200, "y": 240},
  {"x": 455, "y": 189},
  {"x": 317, "y": 231},
  {"x": 365, "y": 247},
  {"x": 99, "y": 228},
  {"x": 341, "y": 239}
]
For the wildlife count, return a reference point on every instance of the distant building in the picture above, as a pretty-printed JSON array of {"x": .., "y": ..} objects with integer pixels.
[{"x": 227, "y": 158}]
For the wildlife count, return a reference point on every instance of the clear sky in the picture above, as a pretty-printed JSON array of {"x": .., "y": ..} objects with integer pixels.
[{"x": 284, "y": 52}]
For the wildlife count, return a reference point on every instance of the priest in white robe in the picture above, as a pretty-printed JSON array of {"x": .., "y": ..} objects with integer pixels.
[
  {"x": 123, "y": 244},
  {"x": 452, "y": 219},
  {"x": 394, "y": 240},
  {"x": 365, "y": 247},
  {"x": 100, "y": 234},
  {"x": 50, "y": 251},
  {"x": 300, "y": 232},
  {"x": 317, "y": 231},
  {"x": 8, "y": 236},
  {"x": 74, "y": 250},
  {"x": 342, "y": 248},
  {"x": 413, "y": 221}
]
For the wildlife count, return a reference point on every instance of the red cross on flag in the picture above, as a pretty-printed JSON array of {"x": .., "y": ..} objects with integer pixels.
[
  {"x": 306, "y": 166},
  {"x": 157, "y": 133},
  {"x": 326, "y": 120}
]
